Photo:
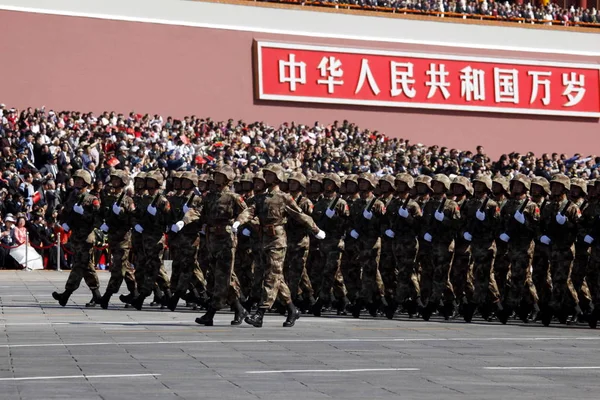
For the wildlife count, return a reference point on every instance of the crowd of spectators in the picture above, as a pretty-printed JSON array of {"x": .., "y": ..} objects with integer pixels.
[
  {"x": 549, "y": 14},
  {"x": 40, "y": 150}
]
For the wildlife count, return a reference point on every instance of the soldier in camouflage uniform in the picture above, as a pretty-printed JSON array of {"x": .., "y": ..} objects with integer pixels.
[
  {"x": 366, "y": 216},
  {"x": 314, "y": 264},
  {"x": 350, "y": 267},
  {"x": 151, "y": 222},
  {"x": 579, "y": 192},
  {"x": 185, "y": 241},
  {"x": 81, "y": 214},
  {"x": 481, "y": 223},
  {"x": 558, "y": 229},
  {"x": 422, "y": 194},
  {"x": 331, "y": 214},
  {"x": 441, "y": 221},
  {"x": 252, "y": 230},
  {"x": 272, "y": 209},
  {"x": 118, "y": 212},
  {"x": 244, "y": 259},
  {"x": 402, "y": 227},
  {"x": 520, "y": 219},
  {"x": 461, "y": 275},
  {"x": 540, "y": 190},
  {"x": 298, "y": 241},
  {"x": 387, "y": 266},
  {"x": 500, "y": 193},
  {"x": 590, "y": 229},
  {"x": 174, "y": 195}
]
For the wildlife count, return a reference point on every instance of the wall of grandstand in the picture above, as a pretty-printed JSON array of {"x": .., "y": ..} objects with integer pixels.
[{"x": 180, "y": 57}]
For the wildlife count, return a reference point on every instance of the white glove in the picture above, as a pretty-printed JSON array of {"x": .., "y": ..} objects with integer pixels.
[
  {"x": 520, "y": 217},
  {"x": 390, "y": 233},
  {"x": 367, "y": 214},
  {"x": 203, "y": 230},
  {"x": 330, "y": 213},
  {"x": 178, "y": 226},
  {"x": 439, "y": 215},
  {"x": 561, "y": 219},
  {"x": 151, "y": 209},
  {"x": 78, "y": 209},
  {"x": 588, "y": 239},
  {"x": 185, "y": 209},
  {"x": 138, "y": 228},
  {"x": 66, "y": 227},
  {"x": 246, "y": 232},
  {"x": 403, "y": 212},
  {"x": 545, "y": 239},
  {"x": 354, "y": 234},
  {"x": 480, "y": 215},
  {"x": 116, "y": 209},
  {"x": 468, "y": 237},
  {"x": 235, "y": 226},
  {"x": 427, "y": 237},
  {"x": 320, "y": 235},
  {"x": 504, "y": 237},
  {"x": 104, "y": 228}
]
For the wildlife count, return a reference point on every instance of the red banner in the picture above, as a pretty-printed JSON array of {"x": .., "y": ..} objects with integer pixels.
[{"x": 296, "y": 72}]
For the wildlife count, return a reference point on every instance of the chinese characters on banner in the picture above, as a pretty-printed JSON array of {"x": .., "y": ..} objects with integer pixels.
[{"x": 294, "y": 72}]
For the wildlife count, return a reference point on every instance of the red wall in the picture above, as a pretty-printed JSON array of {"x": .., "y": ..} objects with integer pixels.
[{"x": 91, "y": 64}]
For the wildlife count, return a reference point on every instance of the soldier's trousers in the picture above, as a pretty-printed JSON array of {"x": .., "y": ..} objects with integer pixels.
[
  {"x": 351, "y": 269},
  {"x": 485, "y": 289},
  {"x": 274, "y": 286},
  {"x": 244, "y": 270},
  {"x": 582, "y": 258},
  {"x": 331, "y": 255},
  {"x": 83, "y": 267},
  {"x": 564, "y": 295},
  {"x": 221, "y": 255},
  {"x": 148, "y": 271},
  {"x": 368, "y": 258},
  {"x": 593, "y": 275},
  {"x": 405, "y": 258},
  {"x": 502, "y": 268},
  {"x": 425, "y": 261},
  {"x": 388, "y": 269},
  {"x": 314, "y": 267},
  {"x": 295, "y": 267},
  {"x": 442, "y": 261},
  {"x": 189, "y": 274},
  {"x": 120, "y": 268},
  {"x": 305, "y": 287},
  {"x": 461, "y": 275},
  {"x": 541, "y": 273},
  {"x": 259, "y": 272},
  {"x": 521, "y": 288}
]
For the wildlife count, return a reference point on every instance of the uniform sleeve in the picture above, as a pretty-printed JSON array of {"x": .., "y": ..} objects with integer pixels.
[
  {"x": 307, "y": 207},
  {"x": 532, "y": 217},
  {"x": 295, "y": 212},
  {"x": 247, "y": 214}
]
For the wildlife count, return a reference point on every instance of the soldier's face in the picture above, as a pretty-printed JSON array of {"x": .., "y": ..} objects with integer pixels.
[
  {"x": 401, "y": 186},
  {"x": 422, "y": 189},
  {"x": 329, "y": 186},
  {"x": 186, "y": 184},
  {"x": 116, "y": 182},
  {"x": 294, "y": 186},
  {"x": 576, "y": 192},
  {"x": 78, "y": 183},
  {"x": 270, "y": 177},
  {"x": 151, "y": 184},
  {"x": 237, "y": 187},
  {"x": 497, "y": 189},
  {"x": 176, "y": 184},
  {"x": 537, "y": 191},
  {"x": 517, "y": 188},
  {"x": 202, "y": 186},
  {"x": 315, "y": 187},
  {"x": 351, "y": 187},
  {"x": 364, "y": 186},
  {"x": 140, "y": 184},
  {"x": 438, "y": 187},
  {"x": 246, "y": 186},
  {"x": 556, "y": 189},
  {"x": 479, "y": 187},
  {"x": 343, "y": 189},
  {"x": 259, "y": 185},
  {"x": 458, "y": 190},
  {"x": 385, "y": 187},
  {"x": 220, "y": 179}
]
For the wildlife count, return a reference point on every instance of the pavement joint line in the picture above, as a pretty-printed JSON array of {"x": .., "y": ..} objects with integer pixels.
[
  {"x": 257, "y": 341},
  {"x": 43, "y": 378},
  {"x": 303, "y": 371},
  {"x": 535, "y": 368}
]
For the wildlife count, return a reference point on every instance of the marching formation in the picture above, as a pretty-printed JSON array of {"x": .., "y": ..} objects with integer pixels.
[{"x": 525, "y": 248}]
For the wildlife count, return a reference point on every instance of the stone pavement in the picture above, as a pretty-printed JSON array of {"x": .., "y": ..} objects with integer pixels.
[{"x": 50, "y": 352}]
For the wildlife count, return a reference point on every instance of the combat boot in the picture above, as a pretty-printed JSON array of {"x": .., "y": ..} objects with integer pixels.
[
  {"x": 138, "y": 302},
  {"x": 357, "y": 308},
  {"x": 63, "y": 297},
  {"x": 240, "y": 313},
  {"x": 96, "y": 296},
  {"x": 427, "y": 310},
  {"x": 292, "y": 315},
  {"x": 166, "y": 299},
  {"x": 390, "y": 309},
  {"x": 503, "y": 313},
  {"x": 593, "y": 317},
  {"x": 317, "y": 307},
  {"x": 341, "y": 307},
  {"x": 127, "y": 299},
  {"x": 173, "y": 302},
  {"x": 546, "y": 314},
  {"x": 207, "y": 319},
  {"x": 256, "y": 320},
  {"x": 309, "y": 303},
  {"x": 158, "y": 295},
  {"x": 104, "y": 300}
]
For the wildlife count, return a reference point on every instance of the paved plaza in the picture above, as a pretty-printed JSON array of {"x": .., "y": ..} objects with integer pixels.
[{"x": 50, "y": 352}]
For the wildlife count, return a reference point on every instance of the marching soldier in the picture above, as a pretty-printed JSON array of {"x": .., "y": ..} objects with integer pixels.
[
  {"x": 387, "y": 266},
  {"x": 422, "y": 193},
  {"x": 590, "y": 228},
  {"x": 559, "y": 231},
  {"x": 402, "y": 226},
  {"x": 540, "y": 190},
  {"x": 331, "y": 214},
  {"x": 500, "y": 193},
  {"x": 314, "y": 264},
  {"x": 520, "y": 219},
  {"x": 578, "y": 194},
  {"x": 118, "y": 213},
  {"x": 81, "y": 214},
  {"x": 244, "y": 258},
  {"x": 272, "y": 210},
  {"x": 481, "y": 216}
]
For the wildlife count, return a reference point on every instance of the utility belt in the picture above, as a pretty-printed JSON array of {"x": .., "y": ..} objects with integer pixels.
[
  {"x": 219, "y": 229},
  {"x": 269, "y": 230}
]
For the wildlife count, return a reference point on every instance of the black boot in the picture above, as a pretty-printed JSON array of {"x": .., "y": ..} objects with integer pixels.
[
  {"x": 468, "y": 311},
  {"x": 391, "y": 308},
  {"x": 158, "y": 295},
  {"x": 593, "y": 317},
  {"x": 207, "y": 319},
  {"x": 105, "y": 300},
  {"x": 256, "y": 320},
  {"x": 317, "y": 307},
  {"x": 342, "y": 304},
  {"x": 173, "y": 302},
  {"x": 546, "y": 314},
  {"x": 292, "y": 315},
  {"x": 127, "y": 299},
  {"x": 166, "y": 299},
  {"x": 427, "y": 310},
  {"x": 357, "y": 309},
  {"x": 503, "y": 313},
  {"x": 63, "y": 297},
  {"x": 240, "y": 313},
  {"x": 96, "y": 296},
  {"x": 138, "y": 302}
]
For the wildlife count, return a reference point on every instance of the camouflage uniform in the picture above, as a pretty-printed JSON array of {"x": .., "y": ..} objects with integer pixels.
[
  {"x": 82, "y": 239},
  {"x": 461, "y": 275},
  {"x": 314, "y": 264},
  {"x": 541, "y": 254},
  {"x": 590, "y": 229},
  {"x": 244, "y": 257},
  {"x": 441, "y": 234},
  {"x": 331, "y": 214},
  {"x": 582, "y": 253},
  {"x": 425, "y": 264},
  {"x": 350, "y": 266},
  {"x": 502, "y": 262},
  {"x": 388, "y": 269}
]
